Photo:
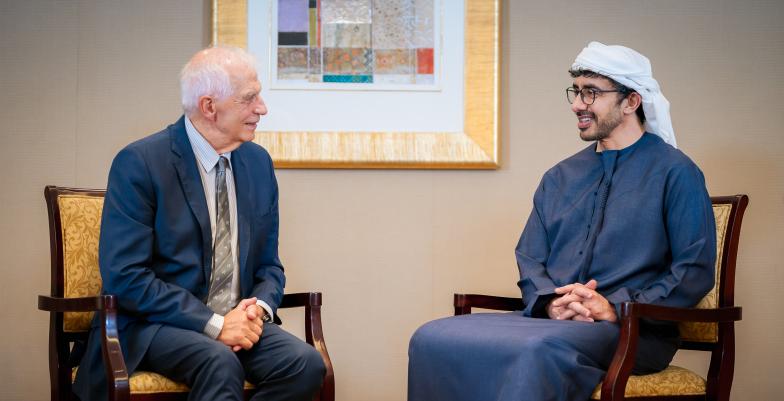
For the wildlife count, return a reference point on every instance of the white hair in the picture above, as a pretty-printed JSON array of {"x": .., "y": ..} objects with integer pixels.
[{"x": 206, "y": 74}]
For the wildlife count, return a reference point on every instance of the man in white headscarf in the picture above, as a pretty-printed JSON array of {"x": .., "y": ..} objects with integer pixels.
[
  {"x": 628, "y": 218},
  {"x": 630, "y": 71}
]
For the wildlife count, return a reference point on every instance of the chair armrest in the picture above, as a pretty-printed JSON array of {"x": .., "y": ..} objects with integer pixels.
[
  {"x": 464, "y": 302},
  {"x": 114, "y": 364},
  {"x": 106, "y": 306},
  {"x": 301, "y": 299},
  {"x": 59, "y": 304},
  {"x": 673, "y": 314},
  {"x": 614, "y": 383},
  {"x": 314, "y": 334}
]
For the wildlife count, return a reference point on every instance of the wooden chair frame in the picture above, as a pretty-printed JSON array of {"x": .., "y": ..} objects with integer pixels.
[
  {"x": 62, "y": 355},
  {"x": 722, "y": 360}
]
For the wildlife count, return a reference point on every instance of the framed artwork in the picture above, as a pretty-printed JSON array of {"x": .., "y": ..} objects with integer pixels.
[{"x": 396, "y": 84}]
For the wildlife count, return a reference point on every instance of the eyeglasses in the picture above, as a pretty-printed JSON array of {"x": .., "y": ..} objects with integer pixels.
[{"x": 587, "y": 95}]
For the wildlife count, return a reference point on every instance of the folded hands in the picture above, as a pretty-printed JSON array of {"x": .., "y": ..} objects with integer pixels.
[
  {"x": 243, "y": 325},
  {"x": 580, "y": 302}
]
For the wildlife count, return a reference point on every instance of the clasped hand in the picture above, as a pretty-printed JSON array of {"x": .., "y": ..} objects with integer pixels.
[
  {"x": 580, "y": 302},
  {"x": 242, "y": 326}
]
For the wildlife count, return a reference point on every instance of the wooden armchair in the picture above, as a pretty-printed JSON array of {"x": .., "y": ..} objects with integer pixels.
[
  {"x": 74, "y": 227},
  {"x": 709, "y": 326}
]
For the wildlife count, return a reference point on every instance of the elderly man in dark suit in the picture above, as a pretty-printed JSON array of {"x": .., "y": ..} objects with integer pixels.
[{"x": 189, "y": 243}]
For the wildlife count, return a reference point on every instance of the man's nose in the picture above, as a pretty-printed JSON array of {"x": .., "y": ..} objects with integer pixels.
[
  {"x": 578, "y": 104},
  {"x": 261, "y": 107}
]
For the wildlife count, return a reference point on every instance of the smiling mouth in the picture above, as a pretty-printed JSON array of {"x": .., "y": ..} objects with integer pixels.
[{"x": 584, "y": 120}]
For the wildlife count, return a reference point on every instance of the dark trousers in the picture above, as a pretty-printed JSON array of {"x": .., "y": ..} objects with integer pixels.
[{"x": 282, "y": 366}]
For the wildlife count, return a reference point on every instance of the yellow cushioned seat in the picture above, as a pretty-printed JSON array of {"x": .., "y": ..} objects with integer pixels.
[
  {"x": 150, "y": 382},
  {"x": 674, "y": 380}
]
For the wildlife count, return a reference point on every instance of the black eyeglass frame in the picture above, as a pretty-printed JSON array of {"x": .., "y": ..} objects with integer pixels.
[{"x": 592, "y": 91}]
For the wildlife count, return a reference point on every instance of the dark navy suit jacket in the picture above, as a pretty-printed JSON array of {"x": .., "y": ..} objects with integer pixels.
[{"x": 156, "y": 245}]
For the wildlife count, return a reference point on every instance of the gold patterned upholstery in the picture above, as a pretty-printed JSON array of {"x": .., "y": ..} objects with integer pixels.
[
  {"x": 674, "y": 380},
  {"x": 149, "y": 382},
  {"x": 709, "y": 332},
  {"x": 81, "y": 227}
]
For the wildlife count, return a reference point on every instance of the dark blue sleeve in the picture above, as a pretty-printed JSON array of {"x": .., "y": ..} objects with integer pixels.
[
  {"x": 691, "y": 231},
  {"x": 532, "y": 252},
  {"x": 126, "y": 250}
]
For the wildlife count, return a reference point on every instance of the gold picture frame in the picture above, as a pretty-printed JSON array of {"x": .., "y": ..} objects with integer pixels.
[{"x": 477, "y": 147}]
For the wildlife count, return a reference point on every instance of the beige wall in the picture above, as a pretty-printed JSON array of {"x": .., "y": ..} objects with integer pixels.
[{"x": 80, "y": 79}]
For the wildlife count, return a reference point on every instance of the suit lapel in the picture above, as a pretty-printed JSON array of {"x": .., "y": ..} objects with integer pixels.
[
  {"x": 190, "y": 180},
  {"x": 242, "y": 189}
]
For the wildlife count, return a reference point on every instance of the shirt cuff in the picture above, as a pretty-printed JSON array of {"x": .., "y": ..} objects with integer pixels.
[
  {"x": 538, "y": 304},
  {"x": 214, "y": 326},
  {"x": 267, "y": 308},
  {"x": 617, "y": 298}
]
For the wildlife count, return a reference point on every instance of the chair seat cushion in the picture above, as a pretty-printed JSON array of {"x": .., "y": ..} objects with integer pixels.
[
  {"x": 674, "y": 380},
  {"x": 149, "y": 382}
]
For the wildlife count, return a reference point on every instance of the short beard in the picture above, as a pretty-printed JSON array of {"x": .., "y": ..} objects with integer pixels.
[{"x": 603, "y": 127}]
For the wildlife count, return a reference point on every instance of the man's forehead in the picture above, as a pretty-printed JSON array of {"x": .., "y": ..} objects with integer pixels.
[
  {"x": 247, "y": 91},
  {"x": 246, "y": 82},
  {"x": 591, "y": 82}
]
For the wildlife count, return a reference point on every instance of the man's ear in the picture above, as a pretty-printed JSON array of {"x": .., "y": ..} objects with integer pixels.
[
  {"x": 633, "y": 101},
  {"x": 207, "y": 107}
]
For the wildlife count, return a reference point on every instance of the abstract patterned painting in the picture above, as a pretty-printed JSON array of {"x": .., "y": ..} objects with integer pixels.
[{"x": 356, "y": 41}]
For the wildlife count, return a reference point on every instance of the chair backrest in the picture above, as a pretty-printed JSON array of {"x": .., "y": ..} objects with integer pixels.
[
  {"x": 74, "y": 228},
  {"x": 728, "y": 211}
]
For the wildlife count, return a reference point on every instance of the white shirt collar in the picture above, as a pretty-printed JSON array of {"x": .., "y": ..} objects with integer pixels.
[{"x": 204, "y": 152}]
